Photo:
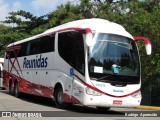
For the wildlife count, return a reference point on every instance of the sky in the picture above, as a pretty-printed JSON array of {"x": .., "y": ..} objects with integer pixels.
[{"x": 36, "y": 7}]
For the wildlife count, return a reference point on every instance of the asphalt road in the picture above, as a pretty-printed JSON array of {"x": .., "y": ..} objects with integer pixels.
[{"x": 27, "y": 106}]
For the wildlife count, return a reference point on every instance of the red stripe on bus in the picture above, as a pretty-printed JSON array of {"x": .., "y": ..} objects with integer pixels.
[
  {"x": 13, "y": 47},
  {"x": 27, "y": 87}
]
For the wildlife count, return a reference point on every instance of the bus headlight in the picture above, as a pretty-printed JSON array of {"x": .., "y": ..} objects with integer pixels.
[
  {"x": 137, "y": 95},
  {"x": 92, "y": 92}
]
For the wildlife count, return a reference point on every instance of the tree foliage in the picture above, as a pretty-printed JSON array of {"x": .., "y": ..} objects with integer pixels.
[{"x": 24, "y": 21}]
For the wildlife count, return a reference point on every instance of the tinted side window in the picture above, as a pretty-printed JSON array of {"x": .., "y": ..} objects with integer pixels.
[
  {"x": 47, "y": 43},
  {"x": 42, "y": 45},
  {"x": 71, "y": 49},
  {"x": 66, "y": 47},
  {"x": 34, "y": 47},
  {"x": 23, "y": 50},
  {"x": 10, "y": 54}
]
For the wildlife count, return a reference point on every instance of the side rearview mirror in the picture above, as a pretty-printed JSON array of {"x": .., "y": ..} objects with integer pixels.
[{"x": 146, "y": 42}]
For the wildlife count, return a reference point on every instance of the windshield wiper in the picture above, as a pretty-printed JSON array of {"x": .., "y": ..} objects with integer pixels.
[
  {"x": 102, "y": 78},
  {"x": 116, "y": 79}
]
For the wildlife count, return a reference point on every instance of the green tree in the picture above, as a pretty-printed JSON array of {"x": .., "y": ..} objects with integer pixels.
[{"x": 25, "y": 21}]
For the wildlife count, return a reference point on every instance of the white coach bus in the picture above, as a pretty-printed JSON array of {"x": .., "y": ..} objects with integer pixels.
[
  {"x": 92, "y": 62},
  {"x": 1, "y": 72}
]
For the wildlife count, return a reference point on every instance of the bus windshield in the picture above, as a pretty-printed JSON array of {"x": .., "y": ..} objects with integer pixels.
[{"x": 115, "y": 57}]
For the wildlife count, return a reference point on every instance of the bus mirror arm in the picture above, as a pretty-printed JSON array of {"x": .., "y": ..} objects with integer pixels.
[
  {"x": 146, "y": 42},
  {"x": 89, "y": 37}
]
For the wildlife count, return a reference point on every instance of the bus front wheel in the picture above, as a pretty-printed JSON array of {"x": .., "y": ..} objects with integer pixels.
[{"x": 59, "y": 98}]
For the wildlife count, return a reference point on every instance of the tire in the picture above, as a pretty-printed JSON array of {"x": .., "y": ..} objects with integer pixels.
[
  {"x": 59, "y": 100},
  {"x": 103, "y": 109},
  {"x": 10, "y": 88},
  {"x": 3, "y": 88},
  {"x": 16, "y": 90}
]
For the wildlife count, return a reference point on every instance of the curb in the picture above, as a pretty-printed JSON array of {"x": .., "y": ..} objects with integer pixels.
[{"x": 148, "y": 108}]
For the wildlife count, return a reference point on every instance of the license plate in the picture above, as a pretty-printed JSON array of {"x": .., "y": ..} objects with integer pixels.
[{"x": 117, "y": 102}]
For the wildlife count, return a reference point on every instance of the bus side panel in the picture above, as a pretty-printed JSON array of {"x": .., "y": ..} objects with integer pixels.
[
  {"x": 40, "y": 78},
  {"x": 6, "y": 75},
  {"x": 31, "y": 79},
  {"x": 1, "y": 76}
]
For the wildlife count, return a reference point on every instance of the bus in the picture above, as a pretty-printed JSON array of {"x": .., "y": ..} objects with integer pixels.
[
  {"x": 1, "y": 73},
  {"x": 91, "y": 62}
]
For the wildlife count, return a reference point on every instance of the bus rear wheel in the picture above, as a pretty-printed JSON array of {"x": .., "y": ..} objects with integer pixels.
[
  {"x": 10, "y": 88},
  {"x": 16, "y": 90},
  {"x": 59, "y": 99}
]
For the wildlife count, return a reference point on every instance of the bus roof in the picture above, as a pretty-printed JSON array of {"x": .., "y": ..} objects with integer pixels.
[{"x": 95, "y": 24}]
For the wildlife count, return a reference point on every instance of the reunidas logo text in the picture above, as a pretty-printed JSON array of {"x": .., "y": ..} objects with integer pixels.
[{"x": 38, "y": 62}]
